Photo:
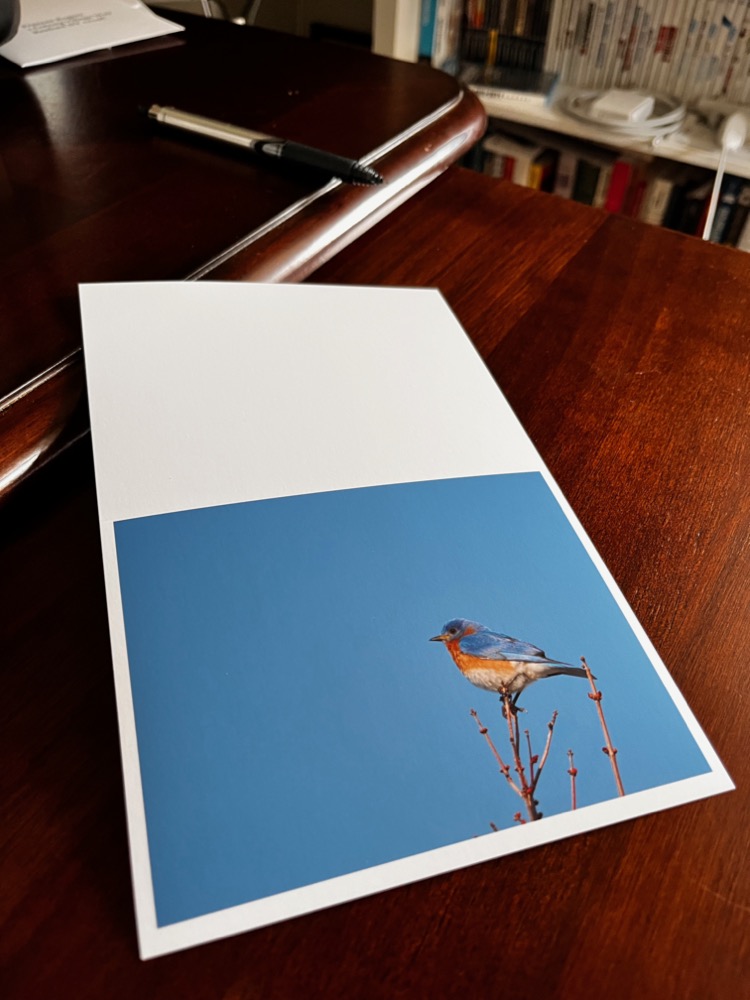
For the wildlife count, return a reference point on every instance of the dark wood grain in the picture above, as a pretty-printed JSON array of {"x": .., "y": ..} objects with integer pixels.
[
  {"x": 91, "y": 191},
  {"x": 606, "y": 338}
]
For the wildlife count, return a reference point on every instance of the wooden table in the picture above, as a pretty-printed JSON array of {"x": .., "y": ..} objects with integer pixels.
[
  {"x": 606, "y": 338},
  {"x": 92, "y": 191}
]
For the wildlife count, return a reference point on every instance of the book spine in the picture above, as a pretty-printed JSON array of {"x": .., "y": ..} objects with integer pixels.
[
  {"x": 739, "y": 51},
  {"x": 693, "y": 47},
  {"x": 427, "y": 28},
  {"x": 447, "y": 36},
  {"x": 737, "y": 219},
  {"x": 656, "y": 41},
  {"x": 635, "y": 195},
  {"x": 668, "y": 44},
  {"x": 743, "y": 240},
  {"x": 552, "y": 44},
  {"x": 595, "y": 40},
  {"x": 602, "y": 187},
  {"x": 583, "y": 40},
  {"x": 628, "y": 58},
  {"x": 623, "y": 14},
  {"x": 703, "y": 50},
  {"x": 571, "y": 31},
  {"x": 718, "y": 71},
  {"x": 728, "y": 196},
  {"x": 656, "y": 201},
  {"x": 685, "y": 36},
  {"x": 644, "y": 44},
  {"x": 567, "y": 166},
  {"x": 716, "y": 59},
  {"x": 584, "y": 185},
  {"x": 618, "y": 186},
  {"x": 542, "y": 18},
  {"x": 605, "y": 42},
  {"x": 517, "y": 97}
]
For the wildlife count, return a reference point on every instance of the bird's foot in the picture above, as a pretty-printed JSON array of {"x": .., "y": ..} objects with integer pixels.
[{"x": 510, "y": 708}]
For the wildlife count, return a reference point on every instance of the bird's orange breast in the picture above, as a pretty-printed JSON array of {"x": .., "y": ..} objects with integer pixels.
[{"x": 468, "y": 664}]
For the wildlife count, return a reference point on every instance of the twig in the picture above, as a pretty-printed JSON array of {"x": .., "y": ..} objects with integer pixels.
[
  {"x": 528, "y": 788},
  {"x": 609, "y": 749},
  {"x": 527, "y": 791},
  {"x": 572, "y": 771},
  {"x": 524, "y": 788},
  {"x": 504, "y": 768},
  {"x": 532, "y": 758},
  {"x": 545, "y": 754}
]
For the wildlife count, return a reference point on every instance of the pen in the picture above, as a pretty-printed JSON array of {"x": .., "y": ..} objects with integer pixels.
[{"x": 267, "y": 145}]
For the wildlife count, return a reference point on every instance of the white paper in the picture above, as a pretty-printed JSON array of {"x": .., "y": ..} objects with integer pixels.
[
  {"x": 293, "y": 407},
  {"x": 51, "y": 30}
]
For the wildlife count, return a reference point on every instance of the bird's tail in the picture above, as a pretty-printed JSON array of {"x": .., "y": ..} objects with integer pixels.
[{"x": 571, "y": 671}]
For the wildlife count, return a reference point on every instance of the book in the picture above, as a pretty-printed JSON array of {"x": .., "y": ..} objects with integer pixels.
[
  {"x": 743, "y": 240},
  {"x": 565, "y": 177},
  {"x": 427, "y": 28},
  {"x": 636, "y": 191},
  {"x": 689, "y": 204},
  {"x": 585, "y": 182},
  {"x": 602, "y": 44},
  {"x": 520, "y": 152},
  {"x": 274, "y": 552},
  {"x": 496, "y": 165},
  {"x": 446, "y": 43},
  {"x": 656, "y": 199},
  {"x": 718, "y": 76},
  {"x": 566, "y": 154},
  {"x": 542, "y": 170},
  {"x": 728, "y": 197},
  {"x": 738, "y": 216},
  {"x": 691, "y": 49},
  {"x": 593, "y": 176},
  {"x": 622, "y": 173},
  {"x": 531, "y": 87}
]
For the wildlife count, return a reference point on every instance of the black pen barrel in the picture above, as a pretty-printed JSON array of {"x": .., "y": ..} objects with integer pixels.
[{"x": 338, "y": 166}]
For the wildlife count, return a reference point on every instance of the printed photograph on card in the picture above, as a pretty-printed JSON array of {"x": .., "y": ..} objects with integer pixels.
[{"x": 330, "y": 682}]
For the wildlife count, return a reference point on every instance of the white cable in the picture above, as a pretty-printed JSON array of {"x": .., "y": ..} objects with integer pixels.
[
  {"x": 667, "y": 117},
  {"x": 732, "y": 135}
]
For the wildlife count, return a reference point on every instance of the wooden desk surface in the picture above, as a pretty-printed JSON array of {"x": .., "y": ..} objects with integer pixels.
[
  {"x": 91, "y": 191},
  {"x": 625, "y": 351}
]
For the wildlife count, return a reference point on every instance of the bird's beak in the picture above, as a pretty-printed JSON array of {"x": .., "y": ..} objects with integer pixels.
[{"x": 439, "y": 638}]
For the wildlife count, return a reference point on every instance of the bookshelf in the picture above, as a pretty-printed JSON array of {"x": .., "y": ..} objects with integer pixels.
[
  {"x": 573, "y": 27},
  {"x": 569, "y": 26},
  {"x": 696, "y": 52},
  {"x": 695, "y": 145}
]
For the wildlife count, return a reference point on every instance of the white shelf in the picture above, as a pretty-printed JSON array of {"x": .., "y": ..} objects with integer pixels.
[{"x": 695, "y": 145}]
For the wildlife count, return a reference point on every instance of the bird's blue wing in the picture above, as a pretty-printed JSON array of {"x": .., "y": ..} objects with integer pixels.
[{"x": 495, "y": 646}]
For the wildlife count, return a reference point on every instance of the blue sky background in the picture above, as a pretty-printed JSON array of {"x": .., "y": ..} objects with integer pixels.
[{"x": 294, "y": 722}]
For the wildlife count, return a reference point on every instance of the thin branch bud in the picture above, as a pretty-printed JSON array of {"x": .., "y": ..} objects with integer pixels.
[{"x": 573, "y": 772}]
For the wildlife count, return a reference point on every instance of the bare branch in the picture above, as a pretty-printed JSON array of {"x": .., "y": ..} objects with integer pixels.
[
  {"x": 573, "y": 772},
  {"x": 527, "y": 791},
  {"x": 609, "y": 749},
  {"x": 545, "y": 754},
  {"x": 504, "y": 768}
]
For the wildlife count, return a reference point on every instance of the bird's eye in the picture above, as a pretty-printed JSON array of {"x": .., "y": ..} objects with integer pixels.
[{"x": 452, "y": 631}]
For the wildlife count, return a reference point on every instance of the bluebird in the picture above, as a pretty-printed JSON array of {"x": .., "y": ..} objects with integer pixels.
[{"x": 497, "y": 662}]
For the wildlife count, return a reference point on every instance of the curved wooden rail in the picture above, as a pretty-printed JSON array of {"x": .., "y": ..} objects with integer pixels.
[{"x": 94, "y": 192}]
